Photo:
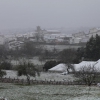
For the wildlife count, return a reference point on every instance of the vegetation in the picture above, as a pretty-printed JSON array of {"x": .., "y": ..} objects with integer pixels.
[
  {"x": 48, "y": 92},
  {"x": 2, "y": 73},
  {"x": 87, "y": 74},
  {"x": 80, "y": 54},
  {"x": 3, "y": 52},
  {"x": 6, "y": 65},
  {"x": 93, "y": 48},
  {"x": 67, "y": 55},
  {"x": 91, "y": 51},
  {"x": 28, "y": 69},
  {"x": 30, "y": 49}
]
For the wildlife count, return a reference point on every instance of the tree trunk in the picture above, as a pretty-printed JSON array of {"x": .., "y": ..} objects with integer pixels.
[
  {"x": 28, "y": 79},
  {"x": 68, "y": 70}
]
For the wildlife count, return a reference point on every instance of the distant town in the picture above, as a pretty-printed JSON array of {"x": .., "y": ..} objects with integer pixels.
[{"x": 44, "y": 36}]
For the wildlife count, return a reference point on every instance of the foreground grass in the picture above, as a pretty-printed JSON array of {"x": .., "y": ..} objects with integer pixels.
[{"x": 48, "y": 92}]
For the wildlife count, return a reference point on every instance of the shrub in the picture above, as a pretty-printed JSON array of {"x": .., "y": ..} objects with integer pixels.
[{"x": 6, "y": 65}]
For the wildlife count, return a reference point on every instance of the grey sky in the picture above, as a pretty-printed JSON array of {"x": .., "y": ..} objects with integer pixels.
[{"x": 49, "y": 13}]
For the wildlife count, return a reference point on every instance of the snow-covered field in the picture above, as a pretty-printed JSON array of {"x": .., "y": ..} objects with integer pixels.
[
  {"x": 48, "y": 92},
  {"x": 43, "y": 76}
]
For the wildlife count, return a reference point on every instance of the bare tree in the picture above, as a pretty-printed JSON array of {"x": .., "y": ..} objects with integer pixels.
[{"x": 87, "y": 74}]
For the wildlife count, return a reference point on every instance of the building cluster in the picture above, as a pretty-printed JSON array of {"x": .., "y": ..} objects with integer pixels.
[
  {"x": 82, "y": 37},
  {"x": 47, "y": 36}
]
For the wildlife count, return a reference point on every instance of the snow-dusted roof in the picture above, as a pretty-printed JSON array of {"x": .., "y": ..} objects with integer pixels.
[
  {"x": 88, "y": 64},
  {"x": 59, "y": 68},
  {"x": 97, "y": 65},
  {"x": 82, "y": 64}
]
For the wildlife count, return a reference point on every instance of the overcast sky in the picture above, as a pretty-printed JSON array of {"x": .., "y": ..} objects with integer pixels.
[{"x": 49, "y": 13}]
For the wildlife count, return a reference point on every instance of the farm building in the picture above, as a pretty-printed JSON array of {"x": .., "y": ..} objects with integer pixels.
[
  {"x": 59, "y": 68},
  {"x": 96, "y": 64}
]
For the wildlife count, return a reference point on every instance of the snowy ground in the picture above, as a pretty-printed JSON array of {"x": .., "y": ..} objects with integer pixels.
[
  {"x": 48, "y": 92},
  {"x": 43, "y": 76}
]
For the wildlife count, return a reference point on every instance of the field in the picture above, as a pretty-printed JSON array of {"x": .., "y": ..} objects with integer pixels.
[
  {"x": 48, "y": 92},
  {"x": 43, "y": 76}
]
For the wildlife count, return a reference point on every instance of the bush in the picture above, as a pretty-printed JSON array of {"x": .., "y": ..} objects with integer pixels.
[
  {"x": 2, "y": 73},
  {"x": 6, "y": 65}
]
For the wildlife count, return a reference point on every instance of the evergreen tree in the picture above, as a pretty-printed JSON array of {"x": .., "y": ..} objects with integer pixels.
[
  {"x": 92, "y": 50},
  {"x": 97, "y": 48},
  {"x": 80, "y": 54}
]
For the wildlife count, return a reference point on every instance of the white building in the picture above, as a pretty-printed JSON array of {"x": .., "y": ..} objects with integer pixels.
[
  {"x": 84, "y": 40},
  {"x": 93, "y": 32},
  {"x": 57, "y": 38},
  {"x": 79, "y": 35},
  {"x": 75, "y": 40}
]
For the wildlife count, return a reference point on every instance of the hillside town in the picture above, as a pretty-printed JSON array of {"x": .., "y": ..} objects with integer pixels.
[{"x": 47, "y": 37}]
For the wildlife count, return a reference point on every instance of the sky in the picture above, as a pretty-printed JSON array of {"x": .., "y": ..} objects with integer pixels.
[{"x": 49, "y": 13}]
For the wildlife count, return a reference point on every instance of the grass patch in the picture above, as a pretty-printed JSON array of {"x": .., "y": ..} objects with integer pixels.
[
  {"x": 25, "y": 84},
  {"x": 98, "y": 94},
  {"x": 21, "y": 84},
  {"x": 3, "y": 88},
  {"x": 30, "y": 98}
]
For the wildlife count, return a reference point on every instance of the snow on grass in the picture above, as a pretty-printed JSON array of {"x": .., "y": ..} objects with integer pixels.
[
  {"x": 48, "y": 92},
  {"x": 43, "y": 76}
]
